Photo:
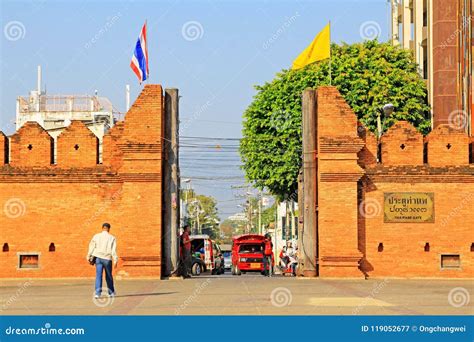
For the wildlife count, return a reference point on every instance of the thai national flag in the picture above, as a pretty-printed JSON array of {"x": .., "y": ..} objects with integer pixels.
[{"x": 139, "y": 63}]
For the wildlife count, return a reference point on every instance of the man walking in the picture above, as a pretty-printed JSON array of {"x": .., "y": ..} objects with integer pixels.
[
  {"x": 186, "y": 249},
  {"x": 104, "y": 248}
]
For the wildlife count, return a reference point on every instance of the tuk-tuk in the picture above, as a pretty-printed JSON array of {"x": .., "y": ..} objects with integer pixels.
[{"x": 247, "y": 254}]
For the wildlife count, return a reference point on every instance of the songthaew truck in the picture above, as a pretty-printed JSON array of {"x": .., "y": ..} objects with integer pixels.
[{"x": 248, "y": 252}]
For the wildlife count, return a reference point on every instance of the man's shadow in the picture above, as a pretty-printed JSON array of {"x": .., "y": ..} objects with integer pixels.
[{"x": 144, "y": 294}]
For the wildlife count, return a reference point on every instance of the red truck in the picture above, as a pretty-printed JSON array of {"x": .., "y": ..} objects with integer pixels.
[{"x": 247, "y": 253}]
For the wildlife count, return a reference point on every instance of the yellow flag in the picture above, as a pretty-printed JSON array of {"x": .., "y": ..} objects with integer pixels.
[{"x": 318, "y": 50}]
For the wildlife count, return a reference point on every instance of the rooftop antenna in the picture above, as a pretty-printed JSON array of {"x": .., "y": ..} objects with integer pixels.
[
  {"x": 127, "y": 97},
  {"x": 38, "y": 86}
]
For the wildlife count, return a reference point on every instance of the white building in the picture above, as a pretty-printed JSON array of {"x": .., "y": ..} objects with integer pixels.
[
  {"x": 287, "y": 226},
  {"x": 55, "y": 112}
]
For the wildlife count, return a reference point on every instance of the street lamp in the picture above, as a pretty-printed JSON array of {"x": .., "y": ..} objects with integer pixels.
[{"x": 386, "y": 111}]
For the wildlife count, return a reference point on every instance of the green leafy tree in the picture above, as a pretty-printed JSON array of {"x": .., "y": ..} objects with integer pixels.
[
  {"x": 206, "y": 208},
  {"x": 368, "y": 75},
  {"x": 231, "y": 228},
  {"x": 268, "y": 215}
]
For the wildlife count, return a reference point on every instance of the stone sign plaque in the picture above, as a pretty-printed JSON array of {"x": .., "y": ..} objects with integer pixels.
[{"x": 409, "y": 207}]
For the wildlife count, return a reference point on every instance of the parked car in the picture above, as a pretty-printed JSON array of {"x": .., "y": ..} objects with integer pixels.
[
  {"x": 197, "y": 266},
  {"x": 247, "y": 254},
  {"x": 207, "y": 255},
  {"x": 226, "y": 250},
  {"x": 227, "y": 260}
]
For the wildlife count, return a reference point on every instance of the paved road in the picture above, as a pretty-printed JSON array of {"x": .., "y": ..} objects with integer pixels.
[{"x": 247, "y": 295}]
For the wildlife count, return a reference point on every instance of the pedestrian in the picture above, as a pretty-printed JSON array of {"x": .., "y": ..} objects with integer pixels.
[
  {"x": 292, "y": 261},
  {"x": 186, "y": 249},
  {"x": 283, "y": 258},
  {"x": 267, "y": 256},
  {"x": 102, "y": 250}
]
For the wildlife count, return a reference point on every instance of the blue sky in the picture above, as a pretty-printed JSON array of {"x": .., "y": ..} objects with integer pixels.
[{"x": 213, "y": 51}]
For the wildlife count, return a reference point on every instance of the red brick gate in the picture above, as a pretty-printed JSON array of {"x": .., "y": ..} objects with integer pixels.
[
  {"x": 50, "y": 209},
  {"x": 367, "y": 187}
]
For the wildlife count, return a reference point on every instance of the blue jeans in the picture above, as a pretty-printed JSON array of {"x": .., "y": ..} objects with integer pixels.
[{"x": 100, "y": 265}]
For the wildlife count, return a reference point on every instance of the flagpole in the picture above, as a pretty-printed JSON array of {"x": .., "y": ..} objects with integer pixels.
[{"x": 330, "y": 55}]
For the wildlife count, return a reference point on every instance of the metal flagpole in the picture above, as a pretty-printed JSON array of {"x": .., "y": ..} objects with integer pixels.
[{"x": 330, "y": 55}]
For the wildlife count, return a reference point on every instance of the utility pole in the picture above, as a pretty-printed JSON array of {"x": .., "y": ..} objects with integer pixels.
[
  {"x": 260, "y": 212},
  {"x": 249, "y": 211},
  {"x": 171, "y": 215},
  {"x": 309, "y": 237},
  {"x": 197, "y": 220},
  {"x": 300, "y": 220}
]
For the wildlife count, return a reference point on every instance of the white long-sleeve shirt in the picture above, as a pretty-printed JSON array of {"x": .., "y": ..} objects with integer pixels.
[{"x": 104, "y": 246}]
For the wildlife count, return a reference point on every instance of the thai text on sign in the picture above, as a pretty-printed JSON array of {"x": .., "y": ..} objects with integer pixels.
[{"x": 414, "y": 207}]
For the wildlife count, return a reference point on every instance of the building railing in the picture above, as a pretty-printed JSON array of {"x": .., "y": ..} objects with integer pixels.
[{"x": 64, "y": 103}]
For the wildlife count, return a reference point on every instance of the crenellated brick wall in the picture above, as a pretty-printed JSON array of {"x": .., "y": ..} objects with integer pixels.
[
  {"x": 77, "y": 146},
  {"x": 53, "y": 209},
  {"x": 355, "y": 239},
  {"x": 31, "y": 146},
  {"x": 402, "y": 144}
]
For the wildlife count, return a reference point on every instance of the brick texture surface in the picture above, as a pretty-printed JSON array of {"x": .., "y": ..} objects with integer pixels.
[
  {"x": 402, "y": 144},
  {"x": 351, "y": 187},
  {"x": 65, "y": 204},
  {"x": 31, "y": 146},
  {"x": 3, "y": 148},
  {"x": 77, "y": 146}
]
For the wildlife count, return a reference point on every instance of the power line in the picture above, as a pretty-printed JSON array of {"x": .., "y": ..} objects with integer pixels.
[{"x": 210, "y": 138}]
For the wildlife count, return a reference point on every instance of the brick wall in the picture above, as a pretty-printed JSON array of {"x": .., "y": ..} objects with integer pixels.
[
  {"x": 31, "y": 146},
  {"x": 77, "y": 146},
  {"x": 65, "y": 203},
  {"x": 355, "y": 239},
  {"x": 3, "y": 148},
  {"x": 402, "y": 144}
]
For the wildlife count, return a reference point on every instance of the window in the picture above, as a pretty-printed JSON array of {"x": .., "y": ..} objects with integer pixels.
[
  {"x": 450, "y": 261},
  {"x": 6, "y": 248},
  {"x": 28, "y": 260}
]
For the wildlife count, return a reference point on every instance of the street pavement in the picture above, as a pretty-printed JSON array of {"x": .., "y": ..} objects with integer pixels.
[{"x": 240, "y": 295}]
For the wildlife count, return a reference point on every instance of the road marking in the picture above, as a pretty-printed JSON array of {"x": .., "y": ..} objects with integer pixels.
[{"x": 347, "y": 301}]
